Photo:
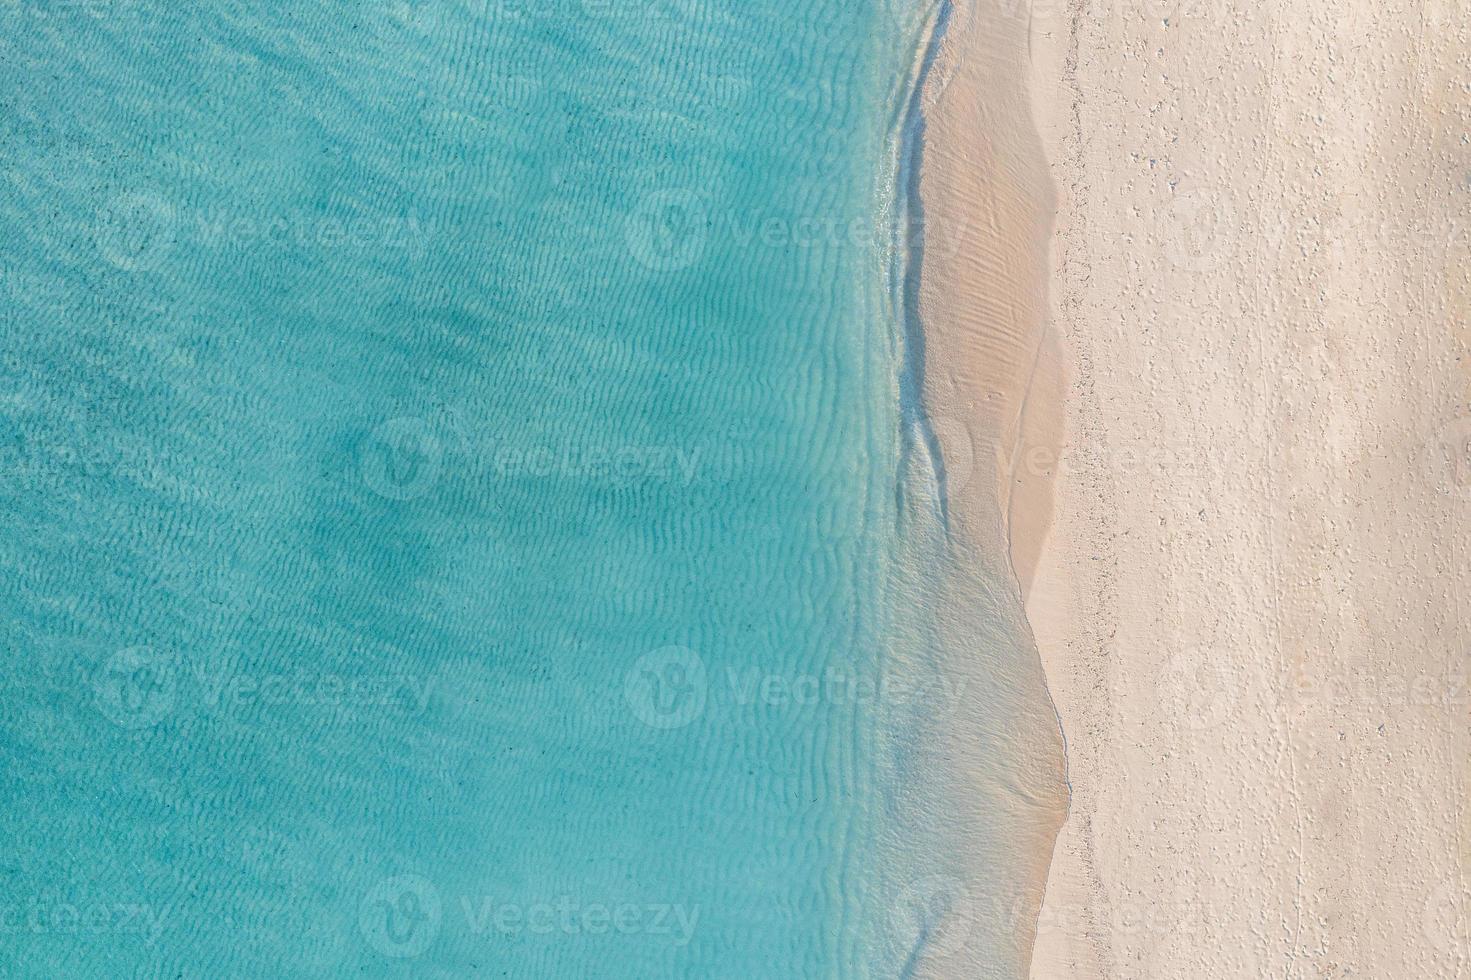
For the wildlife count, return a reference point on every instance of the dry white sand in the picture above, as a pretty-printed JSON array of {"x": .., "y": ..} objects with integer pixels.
[{"x": 1240, "y": 461}]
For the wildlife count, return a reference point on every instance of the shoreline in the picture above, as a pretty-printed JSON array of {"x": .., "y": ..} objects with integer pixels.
[{"x": 991, "y": 385}]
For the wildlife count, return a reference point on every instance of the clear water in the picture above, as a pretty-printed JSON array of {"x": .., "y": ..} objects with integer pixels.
[{"x": 452, "y": 470}]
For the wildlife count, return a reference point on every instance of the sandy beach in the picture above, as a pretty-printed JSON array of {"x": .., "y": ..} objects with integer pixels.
[{"x": 1206, "y": 308}]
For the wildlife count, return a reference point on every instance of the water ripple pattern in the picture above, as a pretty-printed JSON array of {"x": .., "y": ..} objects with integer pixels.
[{"x": 450, "y": 455}]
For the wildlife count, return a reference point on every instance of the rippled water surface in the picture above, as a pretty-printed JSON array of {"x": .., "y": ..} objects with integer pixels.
[{"x": 451, "y": 465}]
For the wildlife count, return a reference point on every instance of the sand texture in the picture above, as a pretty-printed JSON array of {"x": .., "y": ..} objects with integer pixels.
[
  {"x": 1194, "y": 296},
  {"x": 1252, "y": 599}
]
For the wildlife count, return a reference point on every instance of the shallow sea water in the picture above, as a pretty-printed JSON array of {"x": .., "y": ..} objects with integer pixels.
[{"x": 455, "y": 492}]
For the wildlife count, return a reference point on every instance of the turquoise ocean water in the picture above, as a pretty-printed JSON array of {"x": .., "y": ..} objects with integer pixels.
[{"x": 455, "y": 490}]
